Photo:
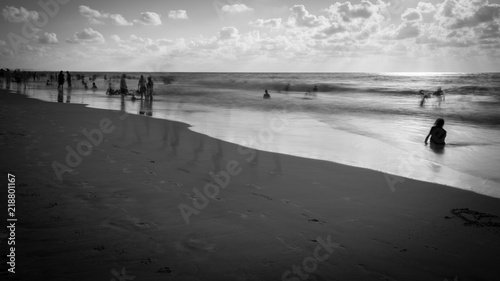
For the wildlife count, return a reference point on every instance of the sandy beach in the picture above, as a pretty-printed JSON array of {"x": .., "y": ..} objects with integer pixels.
[{"x": 106, "y": 195}]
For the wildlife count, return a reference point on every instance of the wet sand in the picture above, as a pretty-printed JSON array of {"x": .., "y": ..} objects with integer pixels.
[{"x": 103, "y": 195}]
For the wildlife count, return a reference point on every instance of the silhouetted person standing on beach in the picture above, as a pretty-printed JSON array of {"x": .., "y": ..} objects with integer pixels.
[
  {"x": 150, "y": 88},
  {"x": 60, "y": 79},
  {"x": 123, "y": 85},
  {"x": 266, "y": 95},
  {"x": 142, "y": 86},
  {"x": 437, "y": 134},
  {"x": 68, "y": 79}
]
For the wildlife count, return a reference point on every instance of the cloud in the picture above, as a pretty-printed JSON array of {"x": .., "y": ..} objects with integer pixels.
[
  {"x": 269, "y": 23},
  {"x": 179, "y": 14},
  {"x": 411, "y": 15},
  {"x": 3, "y": 43},
  {"x": 87, "y": 36},
  {"x": 97, "y": 17},
  {"x": 302, "y": 18},
  {"x": 236, "y": 8},
  {"x": 13, "y": 14},
  {"x": 47, "y": 38},
  {"x": 406, "y": 30},
  {"x": 426, "y": 8},
  {"x": 461, "y": 14},
  {"x": 149, "y": 18},
  {"x": 228, "y": 32},
  {"x": 115, "y": 38}
]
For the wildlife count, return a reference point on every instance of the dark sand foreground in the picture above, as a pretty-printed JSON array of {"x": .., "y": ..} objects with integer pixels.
[{"x": 116, "y": 214}]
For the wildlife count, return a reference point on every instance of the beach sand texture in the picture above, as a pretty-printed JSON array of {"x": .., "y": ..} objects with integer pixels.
[{"x": 117, "y": 212}]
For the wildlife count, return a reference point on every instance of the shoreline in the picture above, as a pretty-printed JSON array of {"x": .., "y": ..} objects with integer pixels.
[
  {"x": 120, "y": 207},
  {"x": 282, "y": 126}
]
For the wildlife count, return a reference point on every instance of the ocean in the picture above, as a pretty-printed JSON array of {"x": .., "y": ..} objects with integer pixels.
[{"x": 369, "y": 120}]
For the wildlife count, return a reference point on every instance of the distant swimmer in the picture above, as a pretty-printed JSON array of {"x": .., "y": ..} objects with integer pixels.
[
  {"x": 424, "y": 97},
  {"x": 266, "y": 95},
  {"x": 94, "y": 87},
  {"x": 437, "y": 134},
  {"x": 315, "y": 89},
  {"x": 439, "y": 93}
]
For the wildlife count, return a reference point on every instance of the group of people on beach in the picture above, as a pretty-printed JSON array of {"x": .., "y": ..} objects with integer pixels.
[
  {"x": 61, "y": 78},
  {"x": 145, "y": 87}
]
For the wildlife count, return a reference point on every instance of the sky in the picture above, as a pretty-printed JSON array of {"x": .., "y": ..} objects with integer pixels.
[{"x": 251, "y": 35}]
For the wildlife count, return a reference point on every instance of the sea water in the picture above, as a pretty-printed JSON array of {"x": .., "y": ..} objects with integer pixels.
[{"x": 370, "y": 120}]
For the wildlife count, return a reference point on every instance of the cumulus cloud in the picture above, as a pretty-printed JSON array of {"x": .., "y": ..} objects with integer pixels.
[
  {"x": 47, "y": 38},
  {"x": 13, "y": 14},
  {"x": 459, "y": 14},
  {"x": 228, "y": 32},
  {"x": 179, "y": 14},
  {"x": 411, "y": 15},
  {"x": 87, "y": 36},
  {"x": 348, "y": 12},
  {"x": 149, "y": 18},
  {"x": 236, "y": 8},
  {"x": 302, "y": 18},
  {"x": 97, "y": 17},
  {"x": 269, "y": 23},
  {"x": 425, "y": 8}
]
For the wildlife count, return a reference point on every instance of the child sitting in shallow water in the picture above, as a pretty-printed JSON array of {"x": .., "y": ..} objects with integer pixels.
[{"x": 437, "y": 133}]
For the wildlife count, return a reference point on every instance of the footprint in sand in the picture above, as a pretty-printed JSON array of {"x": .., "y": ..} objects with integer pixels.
[
  {"x": 307, "y": 239},
  {"x": 52, "y": 205},
  {"x": 120, "y": 251},
  {"x": 164, "y": 269},
  {"x": 91, "y": 195},
  {"x": 99, "y": 248},
  {"x": 150, "y": 172},
  {"x": 147, "y": 261},
  {"x": 312, "y": 219},
  {"x": 262, "y": 195}
]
